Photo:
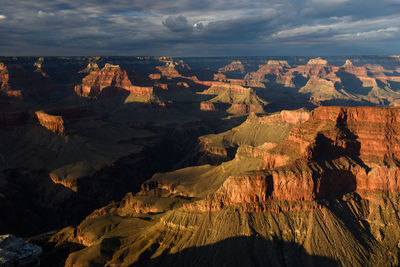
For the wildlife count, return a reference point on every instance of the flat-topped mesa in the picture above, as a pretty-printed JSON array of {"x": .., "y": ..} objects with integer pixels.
[
  {"x": 287, "y": 116},
  {"x": 110, "y": 76},
  {"x": 282, "y": 63},
  {"x": 241, "y": 108},
  {"x": 92, "y": 66},
  {"x": 317, "y": 61},
  {"x": 4, "y": 77},
  {"x": 51, "y": 122},
  {"x": 234, "y": 66},
  {"x": 207, "y": 106}
]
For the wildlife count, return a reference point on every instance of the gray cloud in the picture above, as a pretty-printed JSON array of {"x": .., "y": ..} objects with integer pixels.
[
  {"x": 177, "y": 24},
  {"x": 192, "y": 27}
]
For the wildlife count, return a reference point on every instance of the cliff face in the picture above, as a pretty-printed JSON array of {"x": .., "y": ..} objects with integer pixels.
[
  {"x": 329, "y": 152},
  {"x": 331, "y": 179},
  {"x": 110, "y": 76},
  {"x": 242, "y": 99},
  {"x": 4, "y": 77},
  {"x": 207, "y": 106},
  {"x": 273, "y": 71},
  {"x": 51, "y": 122},
  {"x": 234, "y": 66}
]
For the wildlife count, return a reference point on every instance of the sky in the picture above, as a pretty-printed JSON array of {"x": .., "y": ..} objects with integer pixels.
[{"x": 199, "y": 27}]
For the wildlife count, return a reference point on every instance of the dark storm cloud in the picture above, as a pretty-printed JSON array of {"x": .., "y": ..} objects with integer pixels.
[
  {"x": 210, "y": 27},
  {"x": 177, "y": 24}
]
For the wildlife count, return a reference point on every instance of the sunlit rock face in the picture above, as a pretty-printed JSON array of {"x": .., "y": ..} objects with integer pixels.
[
  {"x": 110, "y": 76},
  {"x": 53, "y": 123},
  {"x": 4, "y": 77}
]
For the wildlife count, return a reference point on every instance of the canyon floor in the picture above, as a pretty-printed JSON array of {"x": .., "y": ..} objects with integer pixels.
[{"x": 247, "y": 161}]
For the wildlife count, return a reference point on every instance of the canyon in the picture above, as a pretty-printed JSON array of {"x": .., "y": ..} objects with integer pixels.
[{"x": 246, "y": 161}]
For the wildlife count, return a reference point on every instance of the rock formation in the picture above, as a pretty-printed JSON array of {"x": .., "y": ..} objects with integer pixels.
[
  {"x": 16, "y": 252},
  {"x": 242, "y": 99},
  {"x": 273, "y": 71},
  {"x": 207, "y": 106},
  {"x": 171, "y": 70},
  {"x": 90, "y": 67},
  {"x": 4, "y": 77},
  {"x": 51, "y": 122},
  {"x": 234, "y": 66},
  {"x": 110, "y": 76},
  {"x": 38, "y": 66}
]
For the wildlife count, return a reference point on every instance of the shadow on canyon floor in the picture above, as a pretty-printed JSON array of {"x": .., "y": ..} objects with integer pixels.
[{"x": 239, "y": 251}]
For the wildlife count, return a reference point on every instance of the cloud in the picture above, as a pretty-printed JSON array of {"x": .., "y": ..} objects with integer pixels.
[
  {"x": 190, "y": 27},
  {"x": 177, "y": 24}
]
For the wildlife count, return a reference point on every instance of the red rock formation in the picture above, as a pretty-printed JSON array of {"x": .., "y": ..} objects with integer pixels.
[
  {"x": 90, "y": 67},
  {"x": 4, "y": 77},
  {"x": 51, "y": 122},
  {"x": 207, "y": 106},
  {"x": 238, "y": 108},
  {"x": 316, "y": 68},
  {"x": 69, "y": 183},
  {"x": 109, "y": 76},
  {"x": 128, "y": 206},
  {"x": 360, "y": 72},
  {"x": 170, "y": 69},
  {"x": 14, "y": 93},
  {"x": 337, "y": 150},
  {"x": 273, "y": 69},
  {"x": 155, "y": 76},
  {"x": 234, "y": 66},
  {"x": 162, "y": 86},
  {"x": 219, "y": 77},
  {"x": 288, "y": 116}
]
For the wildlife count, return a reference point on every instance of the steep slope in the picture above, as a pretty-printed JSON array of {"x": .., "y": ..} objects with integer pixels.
[
  {"x": 332, "y": 200},
  {"x": 242, "y": 99},
  {"x": 4, "y": 77},
  {"x": 112, "y": 77}
]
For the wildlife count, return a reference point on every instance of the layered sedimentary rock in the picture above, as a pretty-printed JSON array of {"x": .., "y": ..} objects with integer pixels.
[
  {"x": 360, "y": 72},
  {"x": 110, "y": 76},
  {"x": 53, "y": 123},
  {"x": 89, "y": 68},
  {"x": 4, "y": 77},
  {"x": 242, "y": 99},
  {"x": 207, "y": 106},
  {"x": 234, "y": 66},
  {"x": 336, "y": 150},
  {"x": 171, "y": 70},
  {"x": 273, "y": 71}
]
